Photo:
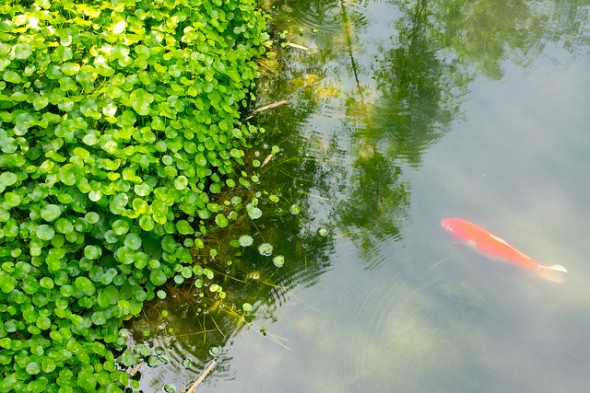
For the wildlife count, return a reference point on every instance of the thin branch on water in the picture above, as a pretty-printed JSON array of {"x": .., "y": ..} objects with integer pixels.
[{"x": 192, "y": 387}]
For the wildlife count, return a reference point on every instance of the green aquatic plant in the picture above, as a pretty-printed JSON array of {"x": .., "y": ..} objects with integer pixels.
[
  {"x": 279, "y": 260},
  {"x": 119, "y": 127},
  {"x": 265, "y": 249},
  {"x": 245, "y": 240}
]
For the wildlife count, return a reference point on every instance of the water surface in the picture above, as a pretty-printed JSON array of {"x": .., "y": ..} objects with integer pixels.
[{"x": 404, "y": 113}]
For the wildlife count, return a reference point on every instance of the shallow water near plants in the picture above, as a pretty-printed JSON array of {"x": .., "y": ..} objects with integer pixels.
[{"x": 401, "y": 114}]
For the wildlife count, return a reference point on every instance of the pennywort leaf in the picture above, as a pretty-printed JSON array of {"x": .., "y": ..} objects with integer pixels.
[{"x": 141, "y": 100}]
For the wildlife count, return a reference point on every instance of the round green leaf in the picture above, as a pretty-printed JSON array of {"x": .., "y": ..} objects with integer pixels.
[
  {"x": 254, "y": 212},
  {"x": 141, "y": 101},
  {"x": 215, "y": 188},
  {"x": 66, "y": 83},
  {"x": 169, "y": 244},
  {"x": 92, "y": 252},
  {"x": 11, "y": 76},
  {"x": 109, "y": 110},
  {"x": 24, "y": 121},
  {"x": 23, "y": 50},
  {"x": 43, "y": 322},
  {"x": 85, "y": 285},
  {"x": 11, "y": 199},
  {"x": 5, "y": 341},
  {"x": 158, "y": 277},
  {"x": 121, "y": 227},
  {"x": 95, "y": 195},
  {"x": 92, "y": 217},
  {"x": 146, "y": 223},
  {"x": 143, "y": 189},
  {"x": 46, "y": 282},
  {"x": 118, "y": 203},
  {"x": 279, "y": 260},
  {"x": 98, "y": 318},
  {"x": 265, "y": 249},
  {"x": 63, "y": 225},
  {"x": 108, "y": 296},
  {"x": 70, "y": 68},
  {"x": 45, "y": 232},
  {"x": 245, "y": 240},
  {"x": 40, "y": 102},
  {"x": 125, "y": 255},
  {"x": 90, "y": 139},
  {"x": 221, "y": 220},
  {"x": 7, "y": 282},
  {"x": 133, "y": 241},
  {"x": 67, "y": 174},
  {"x": 119, "y": 27},
  {"x": 90, "y": 108},
  {"x": 48, "y": 365},
  {"x": 184, "y": 228},
  {"x": 7, "y": 179},
  {"x": 180, "y": 182},
  {"x": 33, "y": 368},
  {"x": 50, "y": 212},
  {"x": 54, "y": 71}
]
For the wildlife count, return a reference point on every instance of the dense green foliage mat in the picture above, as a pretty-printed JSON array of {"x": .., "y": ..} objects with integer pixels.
[{"x": 118, "y": 123}]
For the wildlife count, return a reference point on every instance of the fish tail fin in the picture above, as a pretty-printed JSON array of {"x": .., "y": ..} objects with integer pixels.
[{"x": 553, "y": 273}]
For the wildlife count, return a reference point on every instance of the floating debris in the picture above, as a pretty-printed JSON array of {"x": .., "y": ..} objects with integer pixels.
[
  {"x": 135, "y": 369},
  {"x": 297, "y": 46}
]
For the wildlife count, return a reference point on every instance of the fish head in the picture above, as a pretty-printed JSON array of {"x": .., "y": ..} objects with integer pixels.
[
  {"x": 447, "y": 224},
  {"x": 458, "y": 228}
]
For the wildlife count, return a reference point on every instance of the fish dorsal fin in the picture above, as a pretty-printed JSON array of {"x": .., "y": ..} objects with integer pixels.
[
  {"x": 498, "y": 239},
  {"x": 504, "y": 242}
]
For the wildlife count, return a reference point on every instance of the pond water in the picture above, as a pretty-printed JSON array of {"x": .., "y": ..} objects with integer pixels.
[{"x": 403, "y": 113}]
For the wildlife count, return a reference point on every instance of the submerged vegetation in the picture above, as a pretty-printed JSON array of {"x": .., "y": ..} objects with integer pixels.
[{"x": 120, "y": 139}]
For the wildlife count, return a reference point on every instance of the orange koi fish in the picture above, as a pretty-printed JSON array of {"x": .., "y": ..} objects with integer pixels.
[{"x": 492, "y": 246}]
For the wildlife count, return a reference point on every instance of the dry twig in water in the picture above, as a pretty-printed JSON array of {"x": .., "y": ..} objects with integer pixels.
[
  {"x": 270, "y": 106},
  {"x": 266, "y": 107},
  {"x": 192, "y": 387}
]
